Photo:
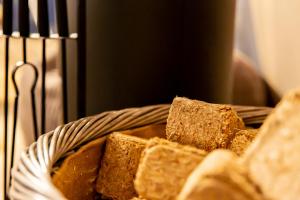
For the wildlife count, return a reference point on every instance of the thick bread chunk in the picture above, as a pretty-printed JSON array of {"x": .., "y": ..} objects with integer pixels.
[
  {"x": 242, "y": 140},
  {"x": 119, "y": 165},
  {"x": 206, "y": 126},
  {"x": 219, "y": 177},
  {"x": 76, "y": 178},
  {"x": 163, "y": 169},
  {"x": 273, "y": 158}
]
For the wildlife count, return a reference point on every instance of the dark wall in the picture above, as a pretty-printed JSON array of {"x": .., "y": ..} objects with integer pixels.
[{"x": 142, "y": 52}]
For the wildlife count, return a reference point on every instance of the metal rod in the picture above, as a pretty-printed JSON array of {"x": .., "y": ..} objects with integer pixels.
[
  {"x": 64, "y": 80},
  {"x": 81, "y": 62},
  {"x": 43, "y": 93},
  {"x": 6, "y": 116}
]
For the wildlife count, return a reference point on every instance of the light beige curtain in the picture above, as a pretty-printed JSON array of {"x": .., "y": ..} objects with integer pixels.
[{"x": 276, "y": 25}]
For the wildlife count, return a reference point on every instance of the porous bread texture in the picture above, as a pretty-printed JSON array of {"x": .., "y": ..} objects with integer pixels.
[
  {"x": 203, "y": 125},
  {"x": 242, "y": 139},
  {"x": 273, "y": 158},
  {"x": 119, "y": 166},
  {"x": 220, "y": 177},
  {"x": 76, "y": 177},
  {"x": 163, "y": 169}
]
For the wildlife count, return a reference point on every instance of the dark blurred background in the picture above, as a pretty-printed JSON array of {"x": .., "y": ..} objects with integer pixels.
[{"x": 147, "y": 52}]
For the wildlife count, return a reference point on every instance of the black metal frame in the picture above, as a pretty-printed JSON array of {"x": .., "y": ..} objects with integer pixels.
[{"x": 43, "y": 29}]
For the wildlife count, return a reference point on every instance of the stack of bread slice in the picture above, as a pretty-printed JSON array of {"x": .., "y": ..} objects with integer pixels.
[{"x": 203, "y": 152}]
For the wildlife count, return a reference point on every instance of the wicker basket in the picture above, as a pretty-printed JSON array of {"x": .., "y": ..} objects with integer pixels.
[{"x": 31, "y": 177}]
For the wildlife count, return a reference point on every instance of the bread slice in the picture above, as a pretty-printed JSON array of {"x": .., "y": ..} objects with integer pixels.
[
  {"x": 242, "y": 139},
  {"x": 203, "y": 125},
  {"x": 163, "y": 169},
  {"x": 119, "y": 165},
  {"x": 76, "y": 177},
  {"x": 220, "y": 177},
  {"x": 273, "y": 158}
]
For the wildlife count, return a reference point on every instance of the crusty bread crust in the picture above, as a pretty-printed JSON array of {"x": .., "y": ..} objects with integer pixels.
[
  {"x": 163, "y": 169},
  {"x": 119, "y": 166},
  {"x": 206, "y": 126}
]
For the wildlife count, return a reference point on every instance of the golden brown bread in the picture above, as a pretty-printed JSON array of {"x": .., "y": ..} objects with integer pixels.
[
  {"x": 76, "y": 168},
  {"x": 206, "y": 126},
  {"x": 220, "y": 177},
  {"x": 242, "y": 139},
  {"x": 273, "y": 158},
  {"x": 76, "y": 178},
  {"x": 119, "y": 165},
  {"x": 163, "y": 169}
]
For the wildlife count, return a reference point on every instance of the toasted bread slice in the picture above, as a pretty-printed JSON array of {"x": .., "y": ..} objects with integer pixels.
[
  {"x": 81, "y": 168},
  {"x": 164, "y": 168},
  {"x": 273, "y": 157},
  {"x": 203, "y": 125},
  {"x": 119, "y": 165},
  {"x": 220, "y": 177}
]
